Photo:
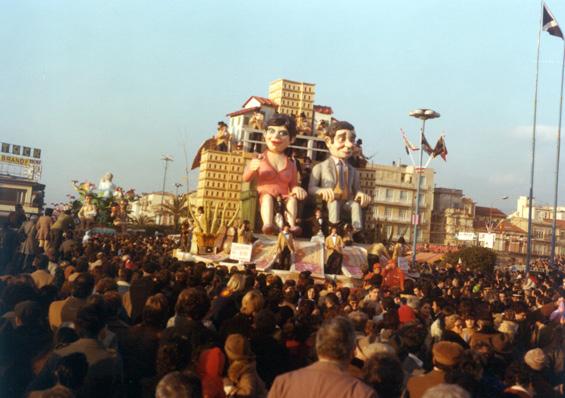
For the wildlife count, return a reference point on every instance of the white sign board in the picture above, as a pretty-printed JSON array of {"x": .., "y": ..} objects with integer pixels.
[
  {"x": 487, "y": 240},
  {"x": 466, "y": 236},
  {"x": 241, "y": 252}
]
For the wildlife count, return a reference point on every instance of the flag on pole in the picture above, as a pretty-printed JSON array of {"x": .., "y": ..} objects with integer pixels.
[
  {"x": 550, "y": 24},
  {"x": 426, "y": 145},
  {"x": 440, "y": 149},
  {"x": 408, "y": 146}
]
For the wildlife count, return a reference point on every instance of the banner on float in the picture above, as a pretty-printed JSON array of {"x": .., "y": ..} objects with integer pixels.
[
  {"x": 354, "y": 260},
  {"x": 241, "y": 252},
  {"x": 309, "y": 256}
]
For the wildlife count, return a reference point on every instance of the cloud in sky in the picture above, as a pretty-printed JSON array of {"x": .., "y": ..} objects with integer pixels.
[{"x": 545, "y": 133}]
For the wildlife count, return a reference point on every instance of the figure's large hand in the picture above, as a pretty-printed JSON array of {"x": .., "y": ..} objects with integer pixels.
[
  {"x": 299, "y": 193},
  {"x": 254, "y": 164},
  {"x": 363, "y": 199},
  {"x": 327, "y": 194}
]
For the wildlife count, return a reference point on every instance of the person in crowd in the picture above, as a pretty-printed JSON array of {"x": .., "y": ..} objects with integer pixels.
[
  {"x": 44, "y": 224},
  {"x": 335, "y": 344},
  {"x": 445, "y": 356},
  {"x": 66, "y": 311},
  {"x": 179, "y": 385},
  {"x": 242, "y": 371}
]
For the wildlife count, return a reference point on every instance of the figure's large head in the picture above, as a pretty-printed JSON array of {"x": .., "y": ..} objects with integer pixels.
[
  {"x": 108, "y": 177},
  {"x": 340, "y": 139},
  {"x": 280, "y": 132}
]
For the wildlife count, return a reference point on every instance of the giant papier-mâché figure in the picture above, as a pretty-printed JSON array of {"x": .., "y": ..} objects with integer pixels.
[
  {"x": 335, "y": 180},
  {"x": 276, "y": 174}
]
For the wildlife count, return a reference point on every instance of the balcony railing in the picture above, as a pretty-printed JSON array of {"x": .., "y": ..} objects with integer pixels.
[{"x": 252, "y": 140}]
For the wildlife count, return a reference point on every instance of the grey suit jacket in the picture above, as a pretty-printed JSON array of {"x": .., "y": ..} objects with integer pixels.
[{"x": 324, "y": 175}]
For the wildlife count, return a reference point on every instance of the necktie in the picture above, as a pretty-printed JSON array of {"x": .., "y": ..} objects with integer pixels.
[{"x": 341, "y": 175}]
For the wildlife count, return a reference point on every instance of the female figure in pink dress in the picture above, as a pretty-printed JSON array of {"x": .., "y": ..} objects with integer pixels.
[{"x": 276, "y": 174}]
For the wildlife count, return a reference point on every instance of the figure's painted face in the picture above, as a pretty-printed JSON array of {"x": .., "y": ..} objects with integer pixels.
[
  {"x": 277, "y": 138},
  {"x": 342, "y": 144}
]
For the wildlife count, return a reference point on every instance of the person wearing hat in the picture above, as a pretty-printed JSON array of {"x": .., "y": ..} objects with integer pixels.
[
  {"x": 223, "y": 137},
  {"x": 445, "y": 356},
  {"x": 242, "y": 371}
]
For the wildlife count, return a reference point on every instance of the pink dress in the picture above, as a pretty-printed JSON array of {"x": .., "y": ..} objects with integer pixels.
[{"x": 272, "y": 182}]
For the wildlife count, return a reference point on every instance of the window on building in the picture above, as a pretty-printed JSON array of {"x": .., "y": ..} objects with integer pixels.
[
  {"x": 403, "y": 196},
  {"x": 389, "y": 194},
  {"x": 12, "y": 196},
  {"x": 403, "y": 214},
  {"x": 388, "y": 213},
  {"x": 388, "y": 230}
]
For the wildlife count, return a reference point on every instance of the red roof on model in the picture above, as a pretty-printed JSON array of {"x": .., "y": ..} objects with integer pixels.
[
  {"x": 262, "y": 100},
  {"x": 243, "y": 111},
  {"x": 326, "y": 110}
]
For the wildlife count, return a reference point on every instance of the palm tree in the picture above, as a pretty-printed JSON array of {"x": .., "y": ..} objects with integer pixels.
[
  {"x": 177, "y": 208},
  {"x": 142, "y": 219}
]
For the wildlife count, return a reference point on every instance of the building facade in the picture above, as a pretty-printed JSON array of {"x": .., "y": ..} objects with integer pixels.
[
  {"x": 539, "y": 212},
  {"x": 220, "y": 181},
  {"x": 149, "y": 206},
  {"x": 23, "y": 191},
  {"x": 293, "y": 98},
  {"x": 452, "y": 213},
  {"x": 393, "y": 192}
]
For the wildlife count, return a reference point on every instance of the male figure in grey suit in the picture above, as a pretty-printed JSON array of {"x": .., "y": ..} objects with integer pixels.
[{"x": 335, "y": 180}]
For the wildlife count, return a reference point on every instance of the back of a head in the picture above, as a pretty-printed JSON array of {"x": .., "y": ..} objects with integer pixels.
[
  {"x": 192, "y": 303},
  {"x": 384, "y": 373},
  {"x": 91, "y": 319},
  {"x": 71, "y": 370},
  {"x": 236, "y": 282},
  {"x": 155, "y": 311},
  {"x": 335, "y": 339},
  {"x": 179, "y": 385},
  {"x": 446, "y": 391},
  {"x": 82, "y": 286},
  {"x": 252, "y": 302}
]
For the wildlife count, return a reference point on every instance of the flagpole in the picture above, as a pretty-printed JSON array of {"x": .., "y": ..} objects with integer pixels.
[
  {"x": 556, "y": 193},
  {"x": 533, "y": 155},
  {"x": 416, "y": 218}
]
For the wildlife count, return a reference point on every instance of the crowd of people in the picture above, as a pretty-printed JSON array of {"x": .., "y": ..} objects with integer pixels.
[{"x": 119, "y": 316}]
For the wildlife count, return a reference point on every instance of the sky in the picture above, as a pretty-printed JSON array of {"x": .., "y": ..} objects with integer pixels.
[{"x": 112, "y": 86}]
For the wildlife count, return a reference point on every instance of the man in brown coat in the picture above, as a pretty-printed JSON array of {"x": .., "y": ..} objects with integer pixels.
[
  {"x": 445, "y": 355},
  {"x": 334, "y": 253},
  {"x": 328, "y": 377},
  {"x": 285, "y": 247}
]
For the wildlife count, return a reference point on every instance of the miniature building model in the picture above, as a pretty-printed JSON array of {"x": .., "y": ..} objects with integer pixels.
[
  {"x": 293, "y": 98},
  {"x": 393, "y": 189},
  {"x": 219, "y": 181},
  {"x": 241, "y": 118}
]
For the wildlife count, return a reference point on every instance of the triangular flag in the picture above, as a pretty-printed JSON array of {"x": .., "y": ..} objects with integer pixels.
[
  {"x": 550, "y": 24},
  {"x": 426, "y": 145},
  {"x": 440, "y": 149},
  {"x": 408, "y": 146}
]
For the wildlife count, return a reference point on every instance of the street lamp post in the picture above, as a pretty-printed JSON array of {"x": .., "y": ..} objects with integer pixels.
[
  {"x": 166, "y": 159},
  {"x": 177, "y": 186},
  {"x": 490, "y": 224},
  {"x": 423, "y": 115}
]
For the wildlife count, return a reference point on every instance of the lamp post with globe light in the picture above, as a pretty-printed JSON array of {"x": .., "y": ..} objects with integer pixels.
[{"x": 423, "y": 115}]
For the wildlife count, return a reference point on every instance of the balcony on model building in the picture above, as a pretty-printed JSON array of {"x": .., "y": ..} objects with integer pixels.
[{"x": 305, "y": 145}]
